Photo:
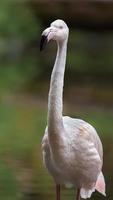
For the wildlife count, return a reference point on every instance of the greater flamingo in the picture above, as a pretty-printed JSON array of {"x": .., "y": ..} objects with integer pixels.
[{"x": 72, "y": 150}]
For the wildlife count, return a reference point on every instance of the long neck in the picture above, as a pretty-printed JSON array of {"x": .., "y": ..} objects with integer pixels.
[{"x": 55, "y": 104}]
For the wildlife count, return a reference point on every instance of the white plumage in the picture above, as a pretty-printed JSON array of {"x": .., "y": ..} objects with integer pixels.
[{"x": 72, "y": 150}]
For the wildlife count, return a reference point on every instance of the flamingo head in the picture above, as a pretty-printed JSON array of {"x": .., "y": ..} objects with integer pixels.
[{"x": 57, "y": 31}]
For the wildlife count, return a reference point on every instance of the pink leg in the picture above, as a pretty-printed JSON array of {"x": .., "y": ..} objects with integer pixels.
[
  {"x": 57, "y": 192},
  {"x": 78, "y": 194}
]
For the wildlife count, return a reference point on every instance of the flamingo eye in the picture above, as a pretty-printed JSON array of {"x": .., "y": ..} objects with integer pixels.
[{"x": 61, "y": 27}]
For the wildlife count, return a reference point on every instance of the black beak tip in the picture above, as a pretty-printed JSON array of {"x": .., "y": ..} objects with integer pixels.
[{"x": 43, "y": 42}]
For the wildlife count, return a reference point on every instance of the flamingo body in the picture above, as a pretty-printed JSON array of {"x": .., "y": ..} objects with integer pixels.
[
  {"x": 80, "y": 159},
  {"x": 72, "y": 150}
]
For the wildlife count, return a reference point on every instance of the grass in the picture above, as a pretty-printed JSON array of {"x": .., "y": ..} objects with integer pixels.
[{"x": 21, "y": 129}]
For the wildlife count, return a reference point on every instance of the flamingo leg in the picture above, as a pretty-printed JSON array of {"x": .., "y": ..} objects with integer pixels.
[
  {"x": 57, "y": 192},
  {"x": 78, "y": 194}
]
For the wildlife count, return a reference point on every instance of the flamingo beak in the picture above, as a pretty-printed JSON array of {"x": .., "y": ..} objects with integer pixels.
[
  {"x": 44, "y": 38},
  {"x": 47, "y": 35},
  {"x": 43, "y": 42}
]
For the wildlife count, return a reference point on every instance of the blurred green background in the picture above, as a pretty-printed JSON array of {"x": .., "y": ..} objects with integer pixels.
[{"x": 24, "y": 85}]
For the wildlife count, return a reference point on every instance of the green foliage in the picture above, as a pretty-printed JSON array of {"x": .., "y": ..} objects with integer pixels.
[
  {"x": 90, "y": 53},
  {"x": 17, "y": 21},
  {"x": 18, "y": 29}
]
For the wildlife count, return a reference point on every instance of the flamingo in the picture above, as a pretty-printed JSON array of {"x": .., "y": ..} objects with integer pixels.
[{"x": 72, "y": 150}]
